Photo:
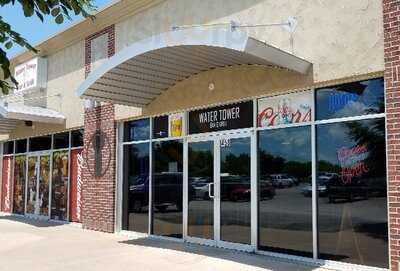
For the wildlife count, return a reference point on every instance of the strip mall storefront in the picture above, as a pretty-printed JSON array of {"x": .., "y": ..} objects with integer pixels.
[
  {"x": 250, "y": 130},
  {"x": 241, "y": 175},
  {"x": 41, "y": 176}
]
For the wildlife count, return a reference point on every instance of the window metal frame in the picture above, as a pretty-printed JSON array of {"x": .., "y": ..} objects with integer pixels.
[{"x": 314, "y": 260}]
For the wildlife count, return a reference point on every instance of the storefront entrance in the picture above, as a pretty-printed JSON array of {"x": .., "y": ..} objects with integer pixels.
[
  {"x": 219, "y": 191},
  {"x": 38, "y": 186}
]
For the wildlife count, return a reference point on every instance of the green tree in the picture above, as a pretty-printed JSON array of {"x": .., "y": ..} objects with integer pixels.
[{"x": 59, "y": 10}]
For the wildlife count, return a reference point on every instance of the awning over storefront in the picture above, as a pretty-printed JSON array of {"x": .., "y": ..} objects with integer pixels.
[
  {"x": 139, "y": 73},
  {"x": 10, "y": 114}
]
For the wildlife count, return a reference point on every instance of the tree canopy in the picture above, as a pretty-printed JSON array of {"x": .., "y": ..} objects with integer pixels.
[{"x": 59, "y": 10}]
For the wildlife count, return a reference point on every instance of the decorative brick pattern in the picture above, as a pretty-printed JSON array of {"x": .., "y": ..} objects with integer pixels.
[
  {"x": 391, "y": 21},
  {"x": 98, "y": 193},
  {"x": 110, "y": 32}
]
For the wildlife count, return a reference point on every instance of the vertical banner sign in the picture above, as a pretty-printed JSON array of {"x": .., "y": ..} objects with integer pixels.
[
  {"x": 285, "y": 109},
  {"x": 7, "y": 185},
  {"x": 75, "y": 198}
]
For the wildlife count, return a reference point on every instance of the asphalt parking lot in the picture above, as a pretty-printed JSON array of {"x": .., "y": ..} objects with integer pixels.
[{"x": 36, "y": 245}]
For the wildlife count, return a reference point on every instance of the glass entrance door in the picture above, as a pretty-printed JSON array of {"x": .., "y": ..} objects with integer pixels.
[
  {"x": 219, "y": 191},
  {"x": 38, "y": 185},
  {"x": 235, "y": 190},
  {"x": 201, "y": 192}
]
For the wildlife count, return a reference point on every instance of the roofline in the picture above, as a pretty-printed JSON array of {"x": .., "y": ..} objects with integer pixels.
[
  {"x": 74, "y": 23},
  {"x": 116, "y": 11}
]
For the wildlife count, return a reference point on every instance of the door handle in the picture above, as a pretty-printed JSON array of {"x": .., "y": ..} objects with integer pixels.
[{"x": 209, "y": 190}]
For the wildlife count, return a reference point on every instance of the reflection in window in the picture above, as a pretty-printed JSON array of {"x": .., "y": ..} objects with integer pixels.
[
  {"x": 77, "y": 138},
  {"x": 61, "y": 141},
  {"x": 135, "y": 216},
  {"x": 8, "y": 147},
  {"x": 285, "y": 207},
  {"x": 137, "y": 130},
  {"x": 20, "y": 146},
  {"x": 352, "y": 99},
  {"x": 40, "y": 143},
  {"x": 235, "y": 190},
  {"x": 352, "y": 214},
  {"x": 167, "y": 188},
  {"x": 201, "y": 181}
]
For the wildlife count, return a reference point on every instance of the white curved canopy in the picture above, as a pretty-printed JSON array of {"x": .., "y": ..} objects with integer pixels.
[{"x": 139, "y": 73}]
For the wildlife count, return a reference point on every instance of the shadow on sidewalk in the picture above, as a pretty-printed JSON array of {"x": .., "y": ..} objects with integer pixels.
[
  {"x": 31, "y": 221},
  {"x": 251, "y": 259}
]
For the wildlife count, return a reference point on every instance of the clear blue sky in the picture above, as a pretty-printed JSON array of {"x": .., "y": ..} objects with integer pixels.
[{"x": 32, "y": 28}]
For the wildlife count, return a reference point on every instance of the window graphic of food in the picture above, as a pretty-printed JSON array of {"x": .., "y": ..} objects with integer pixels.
[{"x": 175, "y": 125}]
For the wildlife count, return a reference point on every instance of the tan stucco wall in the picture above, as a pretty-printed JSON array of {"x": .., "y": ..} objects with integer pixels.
[
  {"x": 230, "y": 84},
  {"x": 65, "y": 74},
  {"x": 341, "y": 38}
]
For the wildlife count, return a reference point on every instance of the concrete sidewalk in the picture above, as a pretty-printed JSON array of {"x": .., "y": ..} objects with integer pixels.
[{"x": 32, "y": 245}]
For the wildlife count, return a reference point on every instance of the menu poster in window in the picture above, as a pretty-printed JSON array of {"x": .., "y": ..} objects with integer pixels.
[
  {"x": 226, "y": 117},
  {"x": 285, "y": 109},
  {"x": 176, "y": 125},
  {"x": 7, "y": 185},
  {"x": 75, "y": 211},
  {"x": 59, "y": 187}
]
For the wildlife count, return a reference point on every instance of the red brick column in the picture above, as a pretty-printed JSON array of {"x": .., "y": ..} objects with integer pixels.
[
  {"x": 98, "y": 191},
  {"x": 391, "y": 19}
]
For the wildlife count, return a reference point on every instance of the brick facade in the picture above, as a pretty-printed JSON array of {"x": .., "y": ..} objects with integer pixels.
[
  {"x": 99, "y": 189},
  {"x": 391, "y": 19}
]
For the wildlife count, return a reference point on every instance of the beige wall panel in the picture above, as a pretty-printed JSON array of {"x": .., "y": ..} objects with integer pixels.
[
  {"x": 65, "y": 73},
  {"x": 231, "y": 83},
  {"x": 342, "y": 38}
]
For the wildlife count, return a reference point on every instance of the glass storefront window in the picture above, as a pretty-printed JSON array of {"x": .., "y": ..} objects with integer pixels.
[
  {"x": 8, "y": 147},
  {"x": 77, "y": 138},
  {"x": 20, "y": 146},
  {"x": 19, "y": 184},
  {"x": 137, "y": 130},
  {"x": 135, "y": 214},
  {"x": 160, "y": 127},
  {"x": 352, "y": 213},
  {"x": 41, "y": 143},
  {"x": 61, "y": 141},
  {"x": 285, "y": 207},
  {"x": 59, "y": 186},
  {"x": 352, "y": 99},
  {"x": 167, "y": 181}
]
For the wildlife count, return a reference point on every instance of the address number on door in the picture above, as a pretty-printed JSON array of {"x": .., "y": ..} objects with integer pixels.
[{"x": 225, "y": 142}]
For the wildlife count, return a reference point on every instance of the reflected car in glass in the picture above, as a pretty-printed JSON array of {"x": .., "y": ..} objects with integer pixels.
[
  {"x": 283, "y": 180},
  {"x": 235, "y": 188},
  {"x": 337, "y": 189}
]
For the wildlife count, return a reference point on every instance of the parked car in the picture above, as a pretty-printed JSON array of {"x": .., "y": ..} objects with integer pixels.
[
  {"x": 266, "y": 188},
  {"x": 235, "y": 188},
  {"x": 282, "y": 180},
  {"x": 337, "y": 189},
  {"x": 167, "y": 191},
  {"x": 321, "y": 188},
  {"x": 201, "y": 187}
]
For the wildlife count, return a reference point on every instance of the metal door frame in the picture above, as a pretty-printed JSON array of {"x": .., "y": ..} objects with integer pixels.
[{"x": 216, "y": 139}]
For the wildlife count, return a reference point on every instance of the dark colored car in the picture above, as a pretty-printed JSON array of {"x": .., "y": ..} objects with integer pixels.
[
  {"x": 167, "y": 191},
  {"x": 235, "y": 188},
  {"x": 337, "y": 189},
  {"x": 266, "y": 188}
]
